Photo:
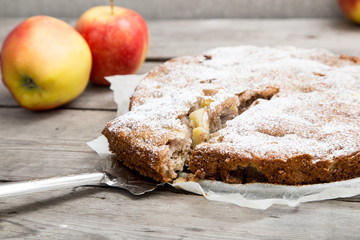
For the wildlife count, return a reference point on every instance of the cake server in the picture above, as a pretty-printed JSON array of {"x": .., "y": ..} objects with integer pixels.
[{"x": 112, "y": 173}]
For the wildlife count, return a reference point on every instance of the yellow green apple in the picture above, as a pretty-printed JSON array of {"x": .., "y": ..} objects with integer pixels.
[
  {"x": 45, "y": 63},
  {"x": 118, "y": 38},
  {"x": 351, "y": 8}
]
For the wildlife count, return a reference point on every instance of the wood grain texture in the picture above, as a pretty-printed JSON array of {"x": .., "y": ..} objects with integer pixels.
[
  {"x": 98, "y": 213},
  {"x": 173, "y": 38},
  {"x": 176, "y": 38},
  {"x": 179, "y": 9},
  {"x": 49, "y": 143}
]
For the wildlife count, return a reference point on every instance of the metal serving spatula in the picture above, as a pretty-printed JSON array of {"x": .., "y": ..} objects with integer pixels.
[{"x": 112, "y": 173}]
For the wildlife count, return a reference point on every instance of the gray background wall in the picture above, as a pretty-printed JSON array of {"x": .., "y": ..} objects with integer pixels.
[{"x": 176, "y": 9}]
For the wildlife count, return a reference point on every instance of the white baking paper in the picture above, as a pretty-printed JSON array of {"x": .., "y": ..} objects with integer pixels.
[
  {"x": 254, "y": 195},
  {"x": 123, "y": 87}
]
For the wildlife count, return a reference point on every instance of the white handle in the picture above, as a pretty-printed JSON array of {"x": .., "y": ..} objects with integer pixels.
[{"x": 40, "y": 185}]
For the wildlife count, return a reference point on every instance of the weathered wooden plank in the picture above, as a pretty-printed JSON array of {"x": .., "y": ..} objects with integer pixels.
[
  {"x": 172, "y": 38},
  {"x": 165, "y": 9},
  {"x": 184, "y": 37},
  {"x": 88, "y": 213},
  {"x": 49, "y": 143}
]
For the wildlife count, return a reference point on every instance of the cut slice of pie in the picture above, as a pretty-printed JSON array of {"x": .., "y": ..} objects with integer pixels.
[{"x": 243, "y": 114}]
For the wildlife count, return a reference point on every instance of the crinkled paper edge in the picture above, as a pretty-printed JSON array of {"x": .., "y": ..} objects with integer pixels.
[
  {"x": 254, "y": 195},
  {"x": 263, "y": 195}
]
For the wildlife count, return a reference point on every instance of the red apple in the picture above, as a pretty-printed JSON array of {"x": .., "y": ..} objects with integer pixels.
[
  {"x": 45, "y": 63},
  {"x": 351, "y": 9},
  {"x": 118, "y": 40}
]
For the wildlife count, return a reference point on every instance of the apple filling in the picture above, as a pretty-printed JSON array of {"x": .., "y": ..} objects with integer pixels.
[
  {"x": 203, "y": 122},
  {"x": 200, "y": 119}
]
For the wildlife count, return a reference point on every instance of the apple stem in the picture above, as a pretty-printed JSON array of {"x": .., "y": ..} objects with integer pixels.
[{"x": 112, "y": 6}]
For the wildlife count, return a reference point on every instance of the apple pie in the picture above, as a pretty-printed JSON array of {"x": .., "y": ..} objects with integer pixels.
[{"x": 244, "y": 114}]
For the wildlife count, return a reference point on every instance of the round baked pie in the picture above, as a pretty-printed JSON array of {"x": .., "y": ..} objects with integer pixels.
[{"x": 245, "y": 114}]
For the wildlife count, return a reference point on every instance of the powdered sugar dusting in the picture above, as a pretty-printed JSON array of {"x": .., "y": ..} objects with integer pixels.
[
  {"x": 316, "y": 111},
  {"x": 317, "y": 123}
]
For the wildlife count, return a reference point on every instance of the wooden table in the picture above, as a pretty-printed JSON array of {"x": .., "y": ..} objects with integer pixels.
[{"x": 53, "y": 143}]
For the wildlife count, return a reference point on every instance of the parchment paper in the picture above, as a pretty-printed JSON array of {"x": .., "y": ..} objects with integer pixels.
[{"x": 254, "y": 195}]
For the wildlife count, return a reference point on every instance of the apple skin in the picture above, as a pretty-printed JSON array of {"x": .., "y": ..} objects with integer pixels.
[
  {"x": 45, "y": 63},
  {"x": 118, "y": 41},
  {"x": 351, "y": 8}
]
